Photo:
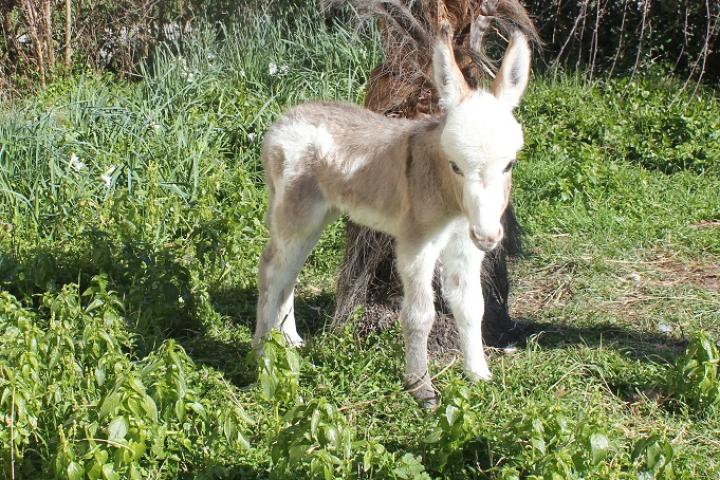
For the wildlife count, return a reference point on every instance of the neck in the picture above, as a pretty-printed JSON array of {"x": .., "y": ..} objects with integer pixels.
[{"x": 429, "y": 172}]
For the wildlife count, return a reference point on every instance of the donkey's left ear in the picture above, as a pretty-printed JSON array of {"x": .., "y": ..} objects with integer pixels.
[{"x": 512, "y": 78}]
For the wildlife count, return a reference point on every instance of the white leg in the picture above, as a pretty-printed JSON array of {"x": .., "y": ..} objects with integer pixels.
[
  {"x": 279, "y": 268},
  {"x": 416, "y": 264},
  {"x": 294, "y": 231},
  {"x": 461, "y": 263}
]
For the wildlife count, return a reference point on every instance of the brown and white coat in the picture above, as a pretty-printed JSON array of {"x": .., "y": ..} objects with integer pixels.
[{"x": 439, "y": 186}]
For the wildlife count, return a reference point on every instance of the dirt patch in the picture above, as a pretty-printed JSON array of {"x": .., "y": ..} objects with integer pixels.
[
  {"x": 551, "y": 286},
  {"x": 626, "y": 286},
  {"x": 672, "y": 272},
  {"x": 707, "y": 224}
]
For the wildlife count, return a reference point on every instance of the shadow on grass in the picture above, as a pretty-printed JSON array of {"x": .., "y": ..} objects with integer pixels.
[
  {"x": 161, "y": 298},
  {"x": 639, "y": 345},
  {"x": 312, "y": 311},
  {"x": 154, "y": 283},
  {"x": 656, "y": 351},
  {"x": 163, "y": 301}
]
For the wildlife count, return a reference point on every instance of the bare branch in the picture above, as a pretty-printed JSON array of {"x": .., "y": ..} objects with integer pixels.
[
  {"x": 68, "y": 33},
  {"x": 646, "y": 11}
]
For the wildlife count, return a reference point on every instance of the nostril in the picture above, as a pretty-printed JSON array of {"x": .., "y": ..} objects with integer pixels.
[{"x": 485, "y": 242}]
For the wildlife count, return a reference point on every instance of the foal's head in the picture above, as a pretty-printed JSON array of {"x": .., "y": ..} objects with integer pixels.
[{"x": 481, "y": 138}]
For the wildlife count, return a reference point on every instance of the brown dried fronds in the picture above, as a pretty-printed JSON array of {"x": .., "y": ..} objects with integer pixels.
[{"x": 409, "y": 28}]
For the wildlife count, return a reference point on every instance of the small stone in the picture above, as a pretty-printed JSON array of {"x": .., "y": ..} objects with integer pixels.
[{"x": 663, "y": 327}]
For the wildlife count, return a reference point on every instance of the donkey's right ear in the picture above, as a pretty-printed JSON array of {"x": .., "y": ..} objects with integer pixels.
[{"x": 449, "y": 80}]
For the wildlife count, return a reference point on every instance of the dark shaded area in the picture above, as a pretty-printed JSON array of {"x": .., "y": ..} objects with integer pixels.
[
  {"x": 498, "y": 327},
  {"x": 624, "y": 37},
  {"x": 640, "y": 345},
  {"x": 311, "y": 310},
  {"x": 160, "y": 299},
  {"x": 629, "y": 385},
  {"x": 155, "y": 287}
]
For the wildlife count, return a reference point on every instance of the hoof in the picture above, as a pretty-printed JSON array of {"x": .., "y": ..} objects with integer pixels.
[
  {"x": 294, "y": 340},
  {"x": 479, "y": 375},
  {"x": 423, "y": 392},
  {"x": 429, "y": 403}
]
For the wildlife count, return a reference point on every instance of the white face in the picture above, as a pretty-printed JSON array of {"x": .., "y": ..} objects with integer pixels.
[{"x": 481, "y": 140}]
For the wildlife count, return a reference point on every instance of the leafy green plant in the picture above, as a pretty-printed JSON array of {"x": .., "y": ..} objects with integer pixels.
[
  {"x": 694, "y": 378},
  {"x": 556, "y": 447},
  {"x": 317, "y": 440},
  {"x": 78, "y": 403},
  {"x": 377, "y": 462},
  {"x": 541, "y": 442},
  {"x": 456, "y": 434},
  {"x": 279, "y": 370},
  {"x": 653, "y": 457}
]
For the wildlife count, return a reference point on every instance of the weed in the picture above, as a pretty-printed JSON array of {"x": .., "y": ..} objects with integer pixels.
[{"x": 694, "y": 379}]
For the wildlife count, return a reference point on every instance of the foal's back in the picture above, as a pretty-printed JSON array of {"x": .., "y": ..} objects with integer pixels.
[{"x": 350, "y": 157}]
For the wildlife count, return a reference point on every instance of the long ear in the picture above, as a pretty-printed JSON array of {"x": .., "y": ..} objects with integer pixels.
[
  {"x": 512, "y": 78},
  {"x": 449, "y": 80}
]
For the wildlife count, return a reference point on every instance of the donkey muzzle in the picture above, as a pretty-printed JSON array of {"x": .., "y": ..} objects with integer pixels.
[{"x": 483, "y": 241}]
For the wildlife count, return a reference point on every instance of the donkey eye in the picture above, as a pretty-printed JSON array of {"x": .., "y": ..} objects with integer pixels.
[
  {"x": 509, "y": 166},
  {"x": 455, "y": 168}
]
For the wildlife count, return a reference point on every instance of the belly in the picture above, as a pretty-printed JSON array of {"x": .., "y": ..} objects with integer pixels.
[{"x": 372, "y": 219}]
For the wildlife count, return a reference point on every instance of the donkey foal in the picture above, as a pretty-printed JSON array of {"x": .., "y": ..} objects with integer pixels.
[{"x": 438, "y": 186}]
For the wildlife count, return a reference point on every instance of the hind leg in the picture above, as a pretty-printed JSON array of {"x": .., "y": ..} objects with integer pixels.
[{"x": 296, "y": 219}]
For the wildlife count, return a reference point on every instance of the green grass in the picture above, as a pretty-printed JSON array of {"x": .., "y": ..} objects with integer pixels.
[{"x": 132, "y": 221}]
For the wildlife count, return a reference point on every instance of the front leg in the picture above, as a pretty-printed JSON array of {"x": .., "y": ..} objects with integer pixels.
[
  {"x": 461, "y": 263},
  {"x": 416, "y": 263}
]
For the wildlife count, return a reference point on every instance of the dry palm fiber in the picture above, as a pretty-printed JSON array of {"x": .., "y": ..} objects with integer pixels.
[{"x": 401, "y": 87}]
